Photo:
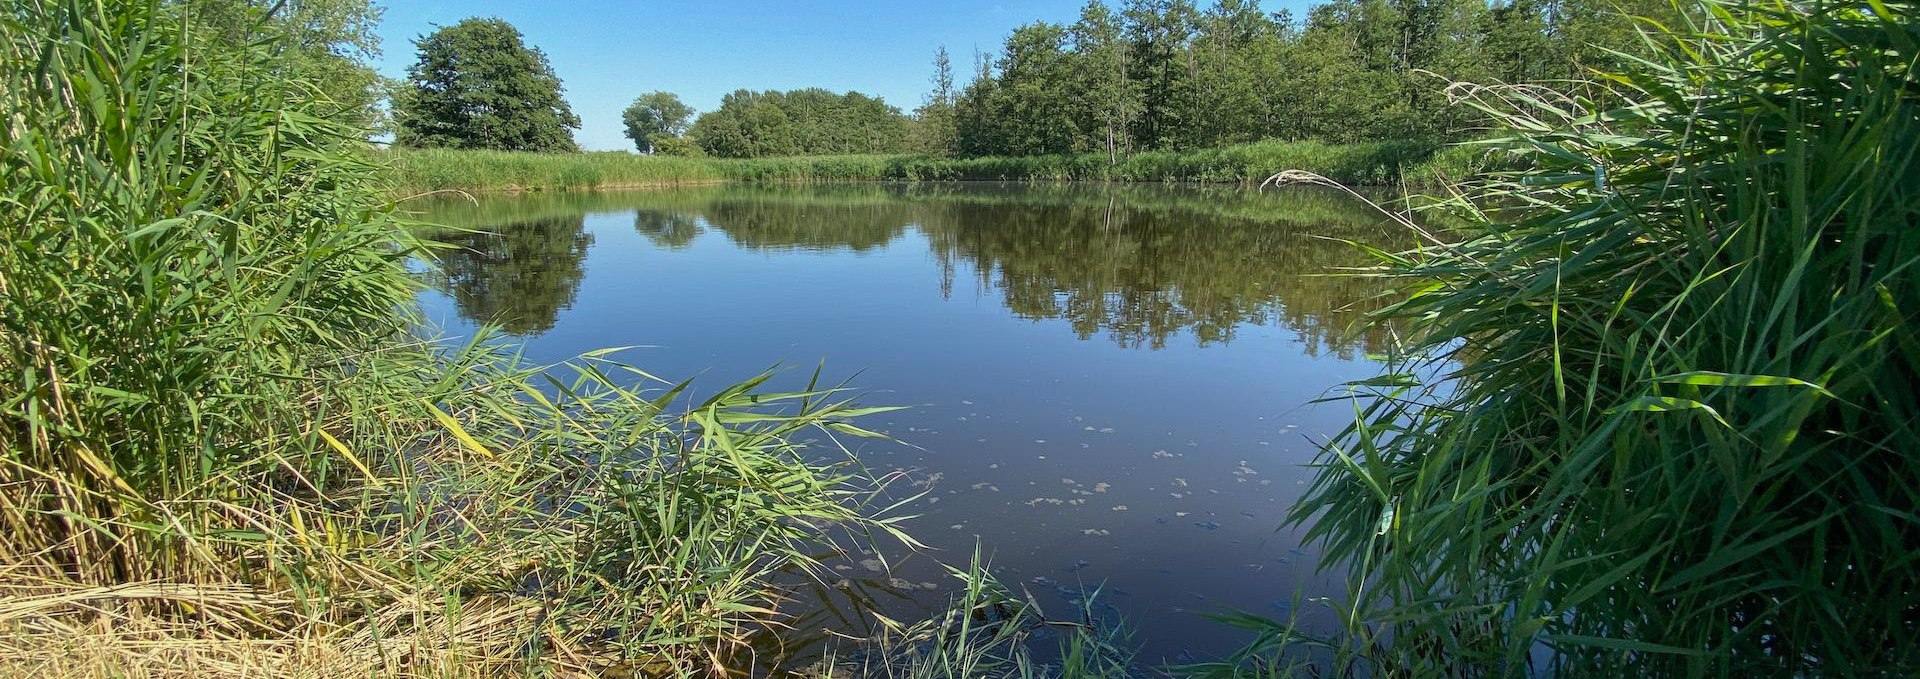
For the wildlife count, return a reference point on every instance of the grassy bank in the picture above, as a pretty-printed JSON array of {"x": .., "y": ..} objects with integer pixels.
[
  {"x": 223, "y": 452},
  {"x": 1382, "y": 163}
]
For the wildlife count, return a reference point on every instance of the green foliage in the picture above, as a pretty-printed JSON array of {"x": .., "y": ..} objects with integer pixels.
[
  {"x": 219, "y": 436},
  {"x": 328, "y": 44},
  {"x": 1169, "y": 75},
  {"x": 752, "y": 124},
  {"x": 681, "y": 147},
  {"x": 1673, "y": 430},
  {"x": 1379, "y": 164},
  {"x": 988, "y": 633},
  {"x": 933, "y": 131},
  {"x": 654, "y": 116},
  {"x": 477, "y": 85},
  {"x": 418, "y": 171}
]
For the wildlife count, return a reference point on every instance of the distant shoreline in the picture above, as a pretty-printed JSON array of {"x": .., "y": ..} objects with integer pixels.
[{"x": 1366, "y": 164}]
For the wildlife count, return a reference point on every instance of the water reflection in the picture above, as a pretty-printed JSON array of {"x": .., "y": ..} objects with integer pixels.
[
  {"x": 1139, "y": 266},
  {"x": 518, "y": 274}
]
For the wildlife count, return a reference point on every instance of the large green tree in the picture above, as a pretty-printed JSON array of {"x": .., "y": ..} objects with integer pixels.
[
  {"x": 654, "y": 115},
  {"x": 477, "y": 85}
]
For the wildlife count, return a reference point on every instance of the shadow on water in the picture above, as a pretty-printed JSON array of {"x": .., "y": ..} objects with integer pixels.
[{"x": 1109, "y": 383}]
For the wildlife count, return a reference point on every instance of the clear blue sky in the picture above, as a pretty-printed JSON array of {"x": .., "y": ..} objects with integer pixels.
[{"x": 608, "y": 51}]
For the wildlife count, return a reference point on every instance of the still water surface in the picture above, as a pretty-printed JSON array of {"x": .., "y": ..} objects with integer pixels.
[{"x": 1109, "y": 385}]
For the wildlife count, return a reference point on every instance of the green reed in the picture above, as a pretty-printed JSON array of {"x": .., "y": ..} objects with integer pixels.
[
  {"x": 1373, "y": 163},
  {"x": 1658, "y": 417},
  {"x": 222, "y": 447}
]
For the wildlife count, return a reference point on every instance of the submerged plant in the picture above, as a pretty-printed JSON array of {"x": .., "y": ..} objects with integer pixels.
[{"x": 1677, "y": 430}]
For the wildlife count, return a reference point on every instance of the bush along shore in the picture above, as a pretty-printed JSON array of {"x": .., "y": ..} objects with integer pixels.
[
  {"x": 223, "y": 451},
  {"x": 1369, "y": 163}
]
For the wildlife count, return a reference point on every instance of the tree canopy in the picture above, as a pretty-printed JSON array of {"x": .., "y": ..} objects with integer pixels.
[
  {"x": 1168, "y": 74},
  {"x": 477, "y": 85},
  {"x": 800, "y": 122},
  {"x": 654, "y": 115}
]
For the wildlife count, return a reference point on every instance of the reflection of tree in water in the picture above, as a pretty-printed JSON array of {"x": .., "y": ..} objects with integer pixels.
[
  {"x": 808, "y": 225},
  {"x": 1136, "y": 264},
  {"x": 520, "y": 275},
  {"x": 668, "y": 229},
  {"x": 1141, "y": 276}
]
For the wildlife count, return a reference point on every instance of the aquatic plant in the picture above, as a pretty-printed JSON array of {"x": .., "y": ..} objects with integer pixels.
[
  {"x": 1676, "y": 429},
  {"x": 223, "y": 449},
  {"x": 1371, "y": 163}
]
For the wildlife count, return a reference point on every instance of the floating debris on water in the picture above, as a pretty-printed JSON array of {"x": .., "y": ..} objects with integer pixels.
[
  {"x": 965, "y": 402},
  {"x": 1179, "y": 483},
  {"x": 1101, "y": 487},
  {"x": 1119, "y": 508},
  {"x": 983, "y": 485},
  {"x": 1068, "y": 481},
  {"x": 1044, "y": 581},
  {"x": 933, "y": 500},
  {"x": 1161, "y": 453},
  {"x": 1094, "y": 531},
  {"x": 874, "y": 565},
  {"x": 958, "y": 526},
  {"x": 1045, "y": 500},
  {"x": 1106, "y": 430},
  {"x": 1209, "y": 525},
  {"x": 995, "y": 465}
]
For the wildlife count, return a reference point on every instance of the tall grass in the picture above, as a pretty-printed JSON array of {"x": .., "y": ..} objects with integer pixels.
[
  {"x": 222, "y": 451},
  {"x": 1376, "y": 163},
  {"x": 1678, "y": 432},
  {"x": 988, "y": 632}
]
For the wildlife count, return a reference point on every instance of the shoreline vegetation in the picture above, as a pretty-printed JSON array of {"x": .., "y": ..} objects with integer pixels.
[
  {"x": 1410, "y": 163},
  {"x": 1677, "y": 435},
  {"x": 225, "y": 451}
]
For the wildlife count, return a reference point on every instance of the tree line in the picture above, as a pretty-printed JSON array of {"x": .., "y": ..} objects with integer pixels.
[
  {"x": 1168, "y": 75},
  {"x": 1145, "y": 75}
]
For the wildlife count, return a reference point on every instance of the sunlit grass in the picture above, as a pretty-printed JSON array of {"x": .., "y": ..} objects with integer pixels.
[
  {"x": 1372, "y": 163},
  {"x": 1677, "y": 430},
  {"x": 223, "y": 450}
]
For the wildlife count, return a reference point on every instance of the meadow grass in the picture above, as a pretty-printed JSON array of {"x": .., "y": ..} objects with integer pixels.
[
  {"x": 1657, "y": 413},
  {"x": 1374, "y": 163},
  {"x": 224, "y": 450}
]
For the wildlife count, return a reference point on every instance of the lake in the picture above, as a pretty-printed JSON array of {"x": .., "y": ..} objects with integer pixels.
[{"x": 1109, "y": 386}]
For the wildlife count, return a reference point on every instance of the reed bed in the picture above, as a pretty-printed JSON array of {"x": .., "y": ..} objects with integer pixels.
[
  {"x": 1657, "y": 416},
  {"x": 1377, "y": 163},
  {"x": 224, "y": 450}
]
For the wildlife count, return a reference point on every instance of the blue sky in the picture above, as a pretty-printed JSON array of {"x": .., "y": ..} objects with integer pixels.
[{"x": 607, "y": 52}]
